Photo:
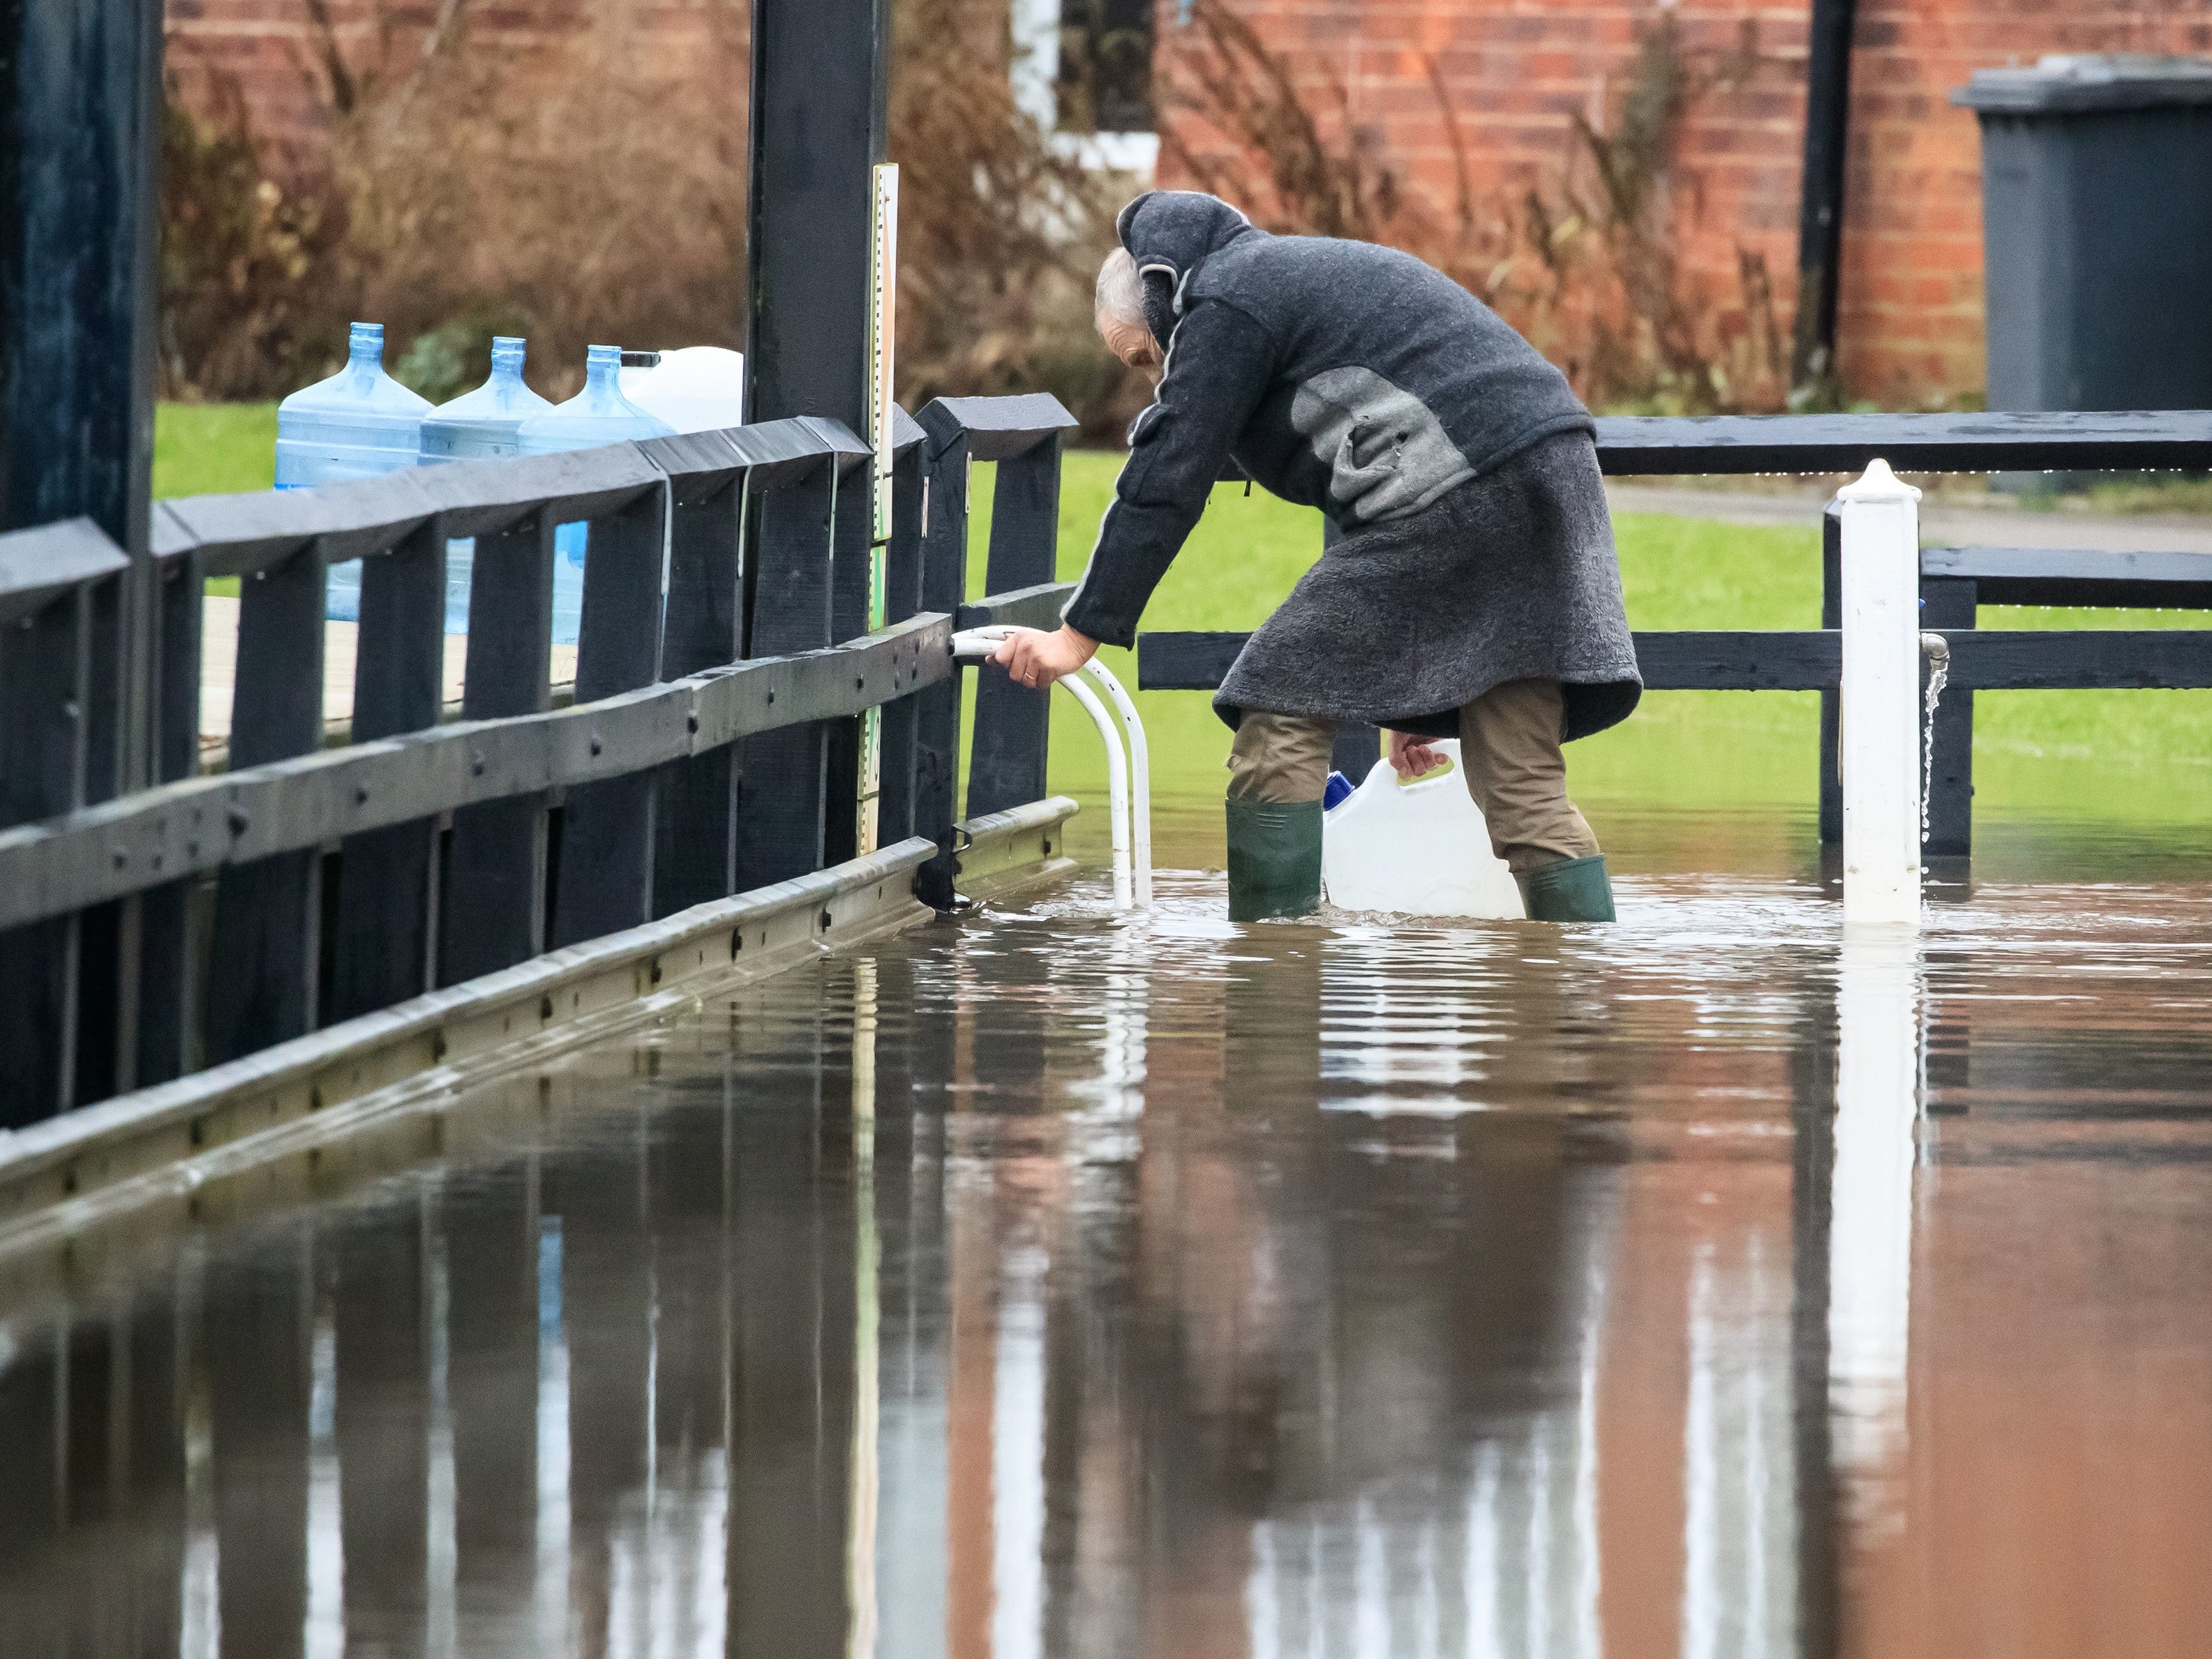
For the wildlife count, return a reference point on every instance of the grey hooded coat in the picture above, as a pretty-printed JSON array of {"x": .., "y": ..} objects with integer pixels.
[{"x": 1455, "y": 464}]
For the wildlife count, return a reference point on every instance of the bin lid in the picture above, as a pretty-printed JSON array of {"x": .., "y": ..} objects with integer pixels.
[{"x": 2065, "y": 82}]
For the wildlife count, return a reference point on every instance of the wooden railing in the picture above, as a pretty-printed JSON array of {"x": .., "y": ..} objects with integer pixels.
[
  {"x": 711, "y": 744},
  {"x": 1953, "y": 580}
]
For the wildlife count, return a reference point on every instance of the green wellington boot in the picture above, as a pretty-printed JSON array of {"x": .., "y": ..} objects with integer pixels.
[
  {"x": 1573, "y": 889},
  {"x": 1275, "y": 858}
]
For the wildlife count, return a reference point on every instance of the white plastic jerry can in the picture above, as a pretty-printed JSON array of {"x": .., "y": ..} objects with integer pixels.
[{"x": 1418, "y": 848}]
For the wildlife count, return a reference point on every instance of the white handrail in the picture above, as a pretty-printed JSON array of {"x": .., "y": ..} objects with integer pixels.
[
  {"x": 977, "y": 645},
  {"x": 1117, "y": 784},
  {"x": 1140, "y": 778}
]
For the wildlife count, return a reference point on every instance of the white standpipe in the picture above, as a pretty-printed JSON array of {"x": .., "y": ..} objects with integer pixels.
[
  {"x": 1140, "y": 777},
  {"x": 977, "y": 645},
  {"x": 1880, "y": 700},
  {"x": 1117, "y": 784}
]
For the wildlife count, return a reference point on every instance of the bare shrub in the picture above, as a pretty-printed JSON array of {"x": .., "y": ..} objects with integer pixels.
[
  {"x": 253, "y": 287},
  {"x": 1587, "y": 263},
  {"x": 584, "y": 189},
  {"x": 580, "y": 191},
  {"x": 1001, "y": 232}
]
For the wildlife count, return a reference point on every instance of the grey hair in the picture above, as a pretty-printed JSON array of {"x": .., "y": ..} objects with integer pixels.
[{"x": 1121, "y": 289}]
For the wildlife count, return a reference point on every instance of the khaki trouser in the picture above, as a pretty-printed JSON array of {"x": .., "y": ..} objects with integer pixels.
[{"x": 1509, "y": 748}]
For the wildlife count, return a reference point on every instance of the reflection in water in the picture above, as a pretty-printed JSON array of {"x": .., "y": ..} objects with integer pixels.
[
  {"x": 1049, "y": 1285},
  {"x": 1870, "y": 1227}
]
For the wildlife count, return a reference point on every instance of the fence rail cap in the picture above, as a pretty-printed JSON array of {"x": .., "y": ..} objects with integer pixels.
[
  {"x": 1989, "y": 442},
  {"x": 906, "y": 431},
  {"x": 779, "y": 454},
  {"x": 238, "y": 535},
  {"x": 37, "y": 566},
  {"x": 997, "y": 429},
  {"x": 848, "y": 450}
]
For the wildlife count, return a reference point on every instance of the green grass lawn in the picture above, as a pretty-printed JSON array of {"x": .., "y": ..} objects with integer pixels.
[
  {"x": 2138, "y": 756},
  {"x": 214, "y": 449},
  {"x": 2142, "y": 756}
]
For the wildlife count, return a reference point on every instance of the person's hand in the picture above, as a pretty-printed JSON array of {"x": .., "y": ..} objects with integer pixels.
[
  {"x": 1412, "y": 756},
  {"x": 1034, "y": 658}
]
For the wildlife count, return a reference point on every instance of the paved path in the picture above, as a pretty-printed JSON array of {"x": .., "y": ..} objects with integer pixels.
[
  {"x": 1940, "y": 524},
  {"x": 219, "y": 668}
]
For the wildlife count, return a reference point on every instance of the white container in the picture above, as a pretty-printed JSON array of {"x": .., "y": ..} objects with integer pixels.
[
  {"x": 694, "y": 389},
  {"x": 1415, "y": 849}
]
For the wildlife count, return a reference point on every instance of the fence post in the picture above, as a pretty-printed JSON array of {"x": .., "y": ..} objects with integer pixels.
[
  {"x": 1879, "y": 699},
  {"x": 492, "y": 895},
  {"x": 107, "y": 934},
  {"x": 382, "y": 951},
  {"x": 902, "y": 570},
  {"x": 167, "y": 967},
  {"x": 268, "y": 914},
  {"x": 1831, "y": 616},
  {"x": 604, "y": 882},
  {"x": 44, "y": 665},
  {"x": 944, "y": 584},
  {"x": 1006, "y": 765},
  {"x": 692, "y": 822},
  {"x": 781, "y": 780},
  {"x": 851, "y": 527},
  {"x": 1951, "y": 602}
]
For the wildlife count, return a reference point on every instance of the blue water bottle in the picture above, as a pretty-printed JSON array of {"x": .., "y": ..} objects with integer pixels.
[
  {"x": 479, "y": 425},
  {"x": 360, "y": 423},
  {"x": 598, "y": 415}
]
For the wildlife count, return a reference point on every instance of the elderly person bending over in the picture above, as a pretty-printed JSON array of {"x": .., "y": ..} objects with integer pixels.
[{"x": 1473, "y": 590}]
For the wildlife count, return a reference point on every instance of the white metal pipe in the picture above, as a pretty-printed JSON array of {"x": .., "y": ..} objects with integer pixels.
[
  {"x": 1880, "y": 700},
  {"x": 1117, "y": 786},
  {"x": 977, "y": 645},
  {"x": 1140, "y": 778}
]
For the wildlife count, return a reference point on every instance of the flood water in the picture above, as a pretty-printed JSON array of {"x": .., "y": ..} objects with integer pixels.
[{"x": 1043, "y": 1283}]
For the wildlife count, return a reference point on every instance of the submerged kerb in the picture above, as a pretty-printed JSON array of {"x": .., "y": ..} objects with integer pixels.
[{"x": 75, "y": 1171}]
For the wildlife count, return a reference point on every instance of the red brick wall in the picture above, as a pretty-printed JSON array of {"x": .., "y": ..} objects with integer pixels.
[{"x": 1515, "y": 72}]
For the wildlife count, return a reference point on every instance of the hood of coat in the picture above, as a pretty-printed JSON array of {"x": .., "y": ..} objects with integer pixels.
[{"x": 1170, "y": 233}]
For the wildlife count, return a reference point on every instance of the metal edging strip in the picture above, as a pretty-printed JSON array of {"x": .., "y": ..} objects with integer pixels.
[{"x": 442, "y": 1040}]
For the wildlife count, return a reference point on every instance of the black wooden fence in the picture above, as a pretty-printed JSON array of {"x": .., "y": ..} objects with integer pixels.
[
  {"x": 322, "y": 875},
  {"x": 1954, "y": 581}
]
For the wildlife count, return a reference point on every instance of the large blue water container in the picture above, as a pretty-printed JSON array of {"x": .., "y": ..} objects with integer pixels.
[
  {"x": 360, "y": 423},
  {"x": 477, "y": 426},
  {"x": 598, "y": 415}
]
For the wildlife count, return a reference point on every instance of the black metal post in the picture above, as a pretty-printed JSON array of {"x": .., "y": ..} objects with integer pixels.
[
  {"x": 1006, "y": 767},
  {"x": 1820, "y": 202}
]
